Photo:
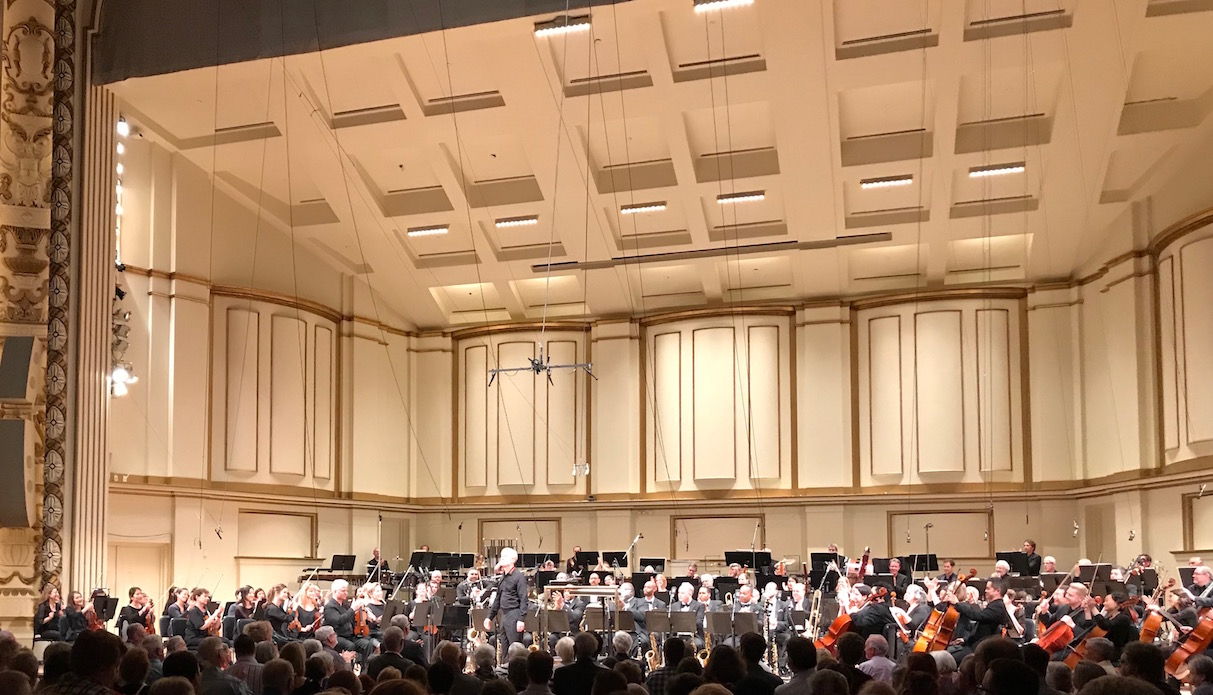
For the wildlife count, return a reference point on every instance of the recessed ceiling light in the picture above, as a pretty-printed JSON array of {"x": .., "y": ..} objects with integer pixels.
[
  {"x": 709, "y": 5},
  {"x": 886, "y": 182},
  {"x": 730, "y": 198},
  {"x": 428, "y": 231},
  {"x": 517, "y": 221},
  {"x": 563, "y": 24},
  {"x": 996, "y": 170},
  {"x": 642, "y": 207}
]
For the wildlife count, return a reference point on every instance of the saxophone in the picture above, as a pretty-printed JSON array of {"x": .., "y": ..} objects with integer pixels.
[{"x": 707, "y": 649}]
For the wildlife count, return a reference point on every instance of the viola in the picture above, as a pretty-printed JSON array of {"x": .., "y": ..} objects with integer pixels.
[{"x": 361, "y": 628}]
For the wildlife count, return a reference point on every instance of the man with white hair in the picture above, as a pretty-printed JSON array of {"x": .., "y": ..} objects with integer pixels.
[
  {"x": 1001, "y": 568},
  {"x": 339, "y": 615},
  {"x": 878, "y": 665},
  {"x": 510, "y": 605},
  {"x": 329, "y": 645}
]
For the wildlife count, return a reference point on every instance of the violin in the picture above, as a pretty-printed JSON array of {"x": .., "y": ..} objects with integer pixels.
[
  {"x": 94, "y": 622},
  {"x": 149, "y": 618},
  {"x": 361, "y": 628}
]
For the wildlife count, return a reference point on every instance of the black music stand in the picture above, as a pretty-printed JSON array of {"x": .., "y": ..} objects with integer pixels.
[
  {"x": 1026, "y": 583},
  {"x": 639, "y": 579},
  {"x": 1049, "y": 581},
  {"x": 725, "y": 585},
  {"x": 342, "y": 564},
  {"x": 1185, "y": 575},
  {"x": 422, "y": 560},
  {"x": 107, "y": 607},
  {"x": 881, "y": 578},
  {"x": 798, "y": 618},
  {"x": 455, "y": 617},
  {"x": 624, "y": 620},
  {"x": 1146, "y": 580},
  {"x": 683, "y": 623},
  {"x": 657, "y": 563},
  {"x": 211, "y": 606},
  {"x": 925, "y": 562},
  {"x": 587, "y": 559},
  {"x": 556, "y": 621},
  {"x": 718, "y": 622},
  {"x": 1103, "y": 588},
  {"x": 658, "y": 622},
  {"x": 880, "y": 565},
  {"x": 392, "y": 608},
  {"x": 595, "y": 619},
  {"x": 745, "y": 622},
  {"x": 820, "y": 561},
  {"x": 679, "y": 581},
  {"x": 526, "y": 560},
  {"x": 615, "y": 558},
  {"x": 1017, "y": 559},
  {"x": 1087, "y": 574},
  {"x": 543, "y": 578},
  {"x": 753, "y": 559},
  {"x": 476, "y": 617},
  {"x": 542, "y": 559},
  {"x": 466, "y": 560},
  {"x": 446, "y": 562},
  {"x": 823, "y": 579}
]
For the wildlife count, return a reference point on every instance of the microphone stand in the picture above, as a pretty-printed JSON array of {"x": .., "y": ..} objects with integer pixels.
[
  {"x": 379, "y": 544},
  {"x": 754, "y": 546}
]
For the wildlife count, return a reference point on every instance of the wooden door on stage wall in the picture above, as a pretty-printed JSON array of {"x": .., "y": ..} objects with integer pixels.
[{"x": 145, "y": 565}]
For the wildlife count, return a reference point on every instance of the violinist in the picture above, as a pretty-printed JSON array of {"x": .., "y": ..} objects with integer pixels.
[
  {"x": 76, "y": 617},
  {"x": 200, "y": 622},
  {"x": 242, "y": 609},
  {"x": 259, "y": 602},
  {"x": 280, "y": 614},
  {"x": 375, "y": 605},
  {"x": 136, "y": 612},
  {"x": 308, "y": 611},
  {"x": 178, "y": 602},
  {"x": 874, "y": 615},
  {"x": 339, "y": 614},
  {"x": 48, "y": 614},
  {"x": 1114, "y": 620},
  {"x": 984, "y": 622}
]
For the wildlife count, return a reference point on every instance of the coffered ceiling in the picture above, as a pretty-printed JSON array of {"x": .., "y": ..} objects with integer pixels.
[{"x": 860, "y": 123}]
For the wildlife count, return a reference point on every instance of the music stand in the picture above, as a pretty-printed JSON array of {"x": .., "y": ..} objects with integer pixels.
[
  {"x": 657, "y": 563},
  {"x": 639, "y": 579},
  {"x": 587, "y": 558},
  {"x": 718, "y": 622},
  {"x": 657, "y": 621},
  {"x": 526, "y": 560},
  {"x": 615, "y": 558},
  {"x": 1087, "y": 574},
  {"x": 820, "y": 561},
  {"x": 823, "y": 579},
  {"x": 1051, "y": 580},
  {"x": 925, "y": 562},
  {"x": 624, "y": 620},
  {"x": 1185, "y": 575},
  {"x": 543, "y": 578},
  {"x": 392, "y": 608},
  {"x": 594, "y": 618},
  {"x": 421, "y": 559},
  {"x": 752, "y": 559},
  {"x": 211, "y": 606},
  {"x": 679, "y": 581},
  {"x": 541, "y": 559},
  {"x": 342, "y": 563},
  {"x": 556, "y": 621},
  {"x": 683, "y": 623},
  {"x": 1018, "y": 560},
  {"x": 1146, "y": 580},
  {"x": 107, "y": 607},
  {"x": 762, "y": 580},
  {"x": 745, "y": 622},
  {"x": 447, "y": 594},
  {"x": 446, "y": 563},
  {"x": 1103, "y": 588},
  {"x": 476, "y": 616},
  {"x": 455, "y": 617},
  {"x": 466, "y": 560},
  {"x": 882, "y": 579},
  {"x": 880, "y": 565},
  {"x": 725, "y": 585},
  {"x": 424, "y": 615}
]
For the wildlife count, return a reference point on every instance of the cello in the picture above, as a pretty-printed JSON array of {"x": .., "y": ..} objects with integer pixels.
[
  {"x": 1152, "y": 623},
  {"x": 1195, "y": 642},
  {"x": 937, "y": 633},
  {"x": 843, "y": 622}
]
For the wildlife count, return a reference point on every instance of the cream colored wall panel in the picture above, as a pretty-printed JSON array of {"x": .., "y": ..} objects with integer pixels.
[
  {"x": 322, "y": 402},
  {"x": 270, "y": 534},
  {"x": 475, "y": 416},
  {"x": 1054, "y": 401},
  {"x": 432, "y": 398},
  {"x": 1167, "y": 356},
  {"x": 1202, "y": 522},
  {"x": 714, "y": 403},
  {"x": 884, "y": 397},
  {"x": 288, "y": 450},
  {"x": 515, "y": 400},
  {"x": 666, "y": 438},
  {"x": 763, "y": 425},
  {"x": 561, "y": 440},
  {"x": 939, "y": 403},
  {"x": 956, "y": 533},
  {"x": 994, "y": 389},
  {"x": 188, "y": 411},
  {"x": 1196, "y": 279},
  {"x": 823, "y": 405},
  {"x": 241, "y": 411},
  {"x": 616, "y": 413},
  {"x": 702, "y": 536},
  {"x": 533, "y": 535}
]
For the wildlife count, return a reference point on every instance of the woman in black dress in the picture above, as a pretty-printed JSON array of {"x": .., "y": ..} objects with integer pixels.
[
  {"x": 75, "y": 617},
  {"x": 47, "y": 615}
]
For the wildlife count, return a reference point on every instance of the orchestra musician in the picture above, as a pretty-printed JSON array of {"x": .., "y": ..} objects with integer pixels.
[
  {"x": 245, "y": 602},
  {"x": 1034, "y": 560},
  {"x": 571, "y": 566},
  {"x": 641, "y": 605},
  {"x": 48, "y": 614},
  {"x": 471, "y": 591},
  {"x": 983, "y": 622},
  {"x": 1066, "y": 604},
  {"x": 279, "y": 615},
  {"x": 693, "y": 570},
  {"x": 200, "y": 622},
  {"x": 178, "y": 602},
  {"x": 137, "y": 611},
  {"x": 339, "y": 614},
  {"x": 308, "y": 610},
  {"x": 75, "y": 618},
  {"x": 874, "y": 615},
  {"x": 1048, "y": 565},
  {"x": 511, "y": 601},
  {"x": 948, "y": 575},
  {"x": 900, "y": 580},
  {"x": 376, "y": 567},
  {"x": 686, "y": 603},
  {"x": 1114, "y": 621}
]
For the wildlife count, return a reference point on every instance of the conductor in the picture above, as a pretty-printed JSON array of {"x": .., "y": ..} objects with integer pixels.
[{"x": 510, "y": 602}]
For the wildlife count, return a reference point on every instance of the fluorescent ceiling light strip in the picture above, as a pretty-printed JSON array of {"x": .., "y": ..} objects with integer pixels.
[
  {"x": 642, "y": 207},
  {"x": 886, "y": 182},
  {"x": 710, "y": 5},
  {"x": 562, "y": 25},
  {"x": 996, "y": 170},
  {"x": 517, "y": 221},
  {"x": 428, "y": 231},
  {"x": 730, "y": 198}
]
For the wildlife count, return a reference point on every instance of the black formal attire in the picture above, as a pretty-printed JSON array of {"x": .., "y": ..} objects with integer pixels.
[
  {"x": 72, "y": 623},
  {"x": 984, "y": 622},
  {"x": 375, "y": 610},
  {"x": 239, "y": 611},
  {"x": 195, "y": 618},
  {"x": 509, "y": 606},
  {"x": 1120, "y": 630},
  {"x": 306, "y": 620},
  {"x": 377, "y": 571},
  {"x": 174, "y": 611},
  {"x": 386, "y": 659},
  {"x": 919, "y": 615},
  {"x": 463, "y": 592},
  {"x": 46, "y": 621},
  {"x": 638, "y": 607},
  {"x": 757, "y": 681},
  {"x": 946, "y": 577},
  {"x": 413, "y": 652},
  {"x": 127, "y": 615},
  {"x": 280, "y": 620},
  {"x": 577, "y": 678},
  {"x": 573, "y": 568},
  {"x": 1059, "y": 611},
  {"x": 1033, "y": 565},
  {"x": 872, "y": 619},
  {"x": 340, "y": 617},
  {"x": 1201, "y": 601}
]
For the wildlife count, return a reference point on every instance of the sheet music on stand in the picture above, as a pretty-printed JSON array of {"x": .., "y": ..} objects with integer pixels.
[
  {"x": 555, "y": 621},
  {"x": 657, "y": 621},
  {"x": 726, "y": 623}
]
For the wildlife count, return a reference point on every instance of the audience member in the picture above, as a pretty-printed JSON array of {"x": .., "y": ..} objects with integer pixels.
[
  {"x": 132, "y": 672},
  {"x": 14, "y": 683},
  {"x": 672, "y": 651},
  {"x": 246, "y": 668},
  {"x": 56, "y": 661},
  {"x": 802, "y": 661},
  {"x": 1085, "y": 672},
  {"x": 579, "y": 677},
  {"x": 277, "y": 678},
  {"x": 1059, "y": 678},
  {"x": 724, "y": 667},
  {"x": 829, "y": 682},
  {"x": 878, "y": 665},
  {"x": 609, "y": 682},
  {"x": 757, "y": 680},
  {"x": 1146, "y": 662},
  {"x": 850, "y": 648},
  {"x": 346, "y": 680},
  {"x": 172, "y": 685},
  {"x": 1200, "y": 668},
  {"x": 265, "y": 651},
  {"x": 1003, "y": 676},
  {"x": 539, "y": 669},
  {"x": 683, "y": 683},
  {"x": 95, "y": 657},
  {"x": 154, "y": 646},
  {"x": 1100, "y": 651},
  {"x": 214, "y": 656},
  {"x": 25, "y": 662},
  {"x": 182, "y": 665}
]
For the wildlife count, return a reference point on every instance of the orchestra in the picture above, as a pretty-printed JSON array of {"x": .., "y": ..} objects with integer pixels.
[{"x": 914, "y": 604}]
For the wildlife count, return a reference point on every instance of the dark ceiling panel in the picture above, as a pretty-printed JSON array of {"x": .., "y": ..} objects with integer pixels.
[{"x": 152, "y": 37}]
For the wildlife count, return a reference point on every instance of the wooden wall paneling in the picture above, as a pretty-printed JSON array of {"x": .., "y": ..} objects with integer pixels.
[
  {"x": 533, "y": 535},
  {"x": 474, "y": 415},
  {"x": 939, "y": 401},
  {"x": 994, "y": 389},
  {"x": 1196, "y": 284},
  {"x": 322, "y": 402},
  {"x": 1167, "y": 355},
  {"x": 885, "y": 455},
  {"x": 666, "y": 430},
  {"x": 764, "y": 395},
  {"x": 962, "y": 533},
  {"x": 288, "y": 336},
  {"x": 241, "y": 404},
  {"x": 515, "y": 415},
  {"x": 699, "y": 536},
  {"x": 714, "y": 403},
  {"x": 561, "y": 435}
]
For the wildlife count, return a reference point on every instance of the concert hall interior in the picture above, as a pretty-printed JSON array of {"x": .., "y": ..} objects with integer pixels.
[{"x": 674, "y": 278}]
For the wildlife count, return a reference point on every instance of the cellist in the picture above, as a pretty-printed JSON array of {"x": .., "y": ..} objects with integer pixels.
[
  {"x": 1071, "y": 603},
  {"x": 985, "y": 622}
]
